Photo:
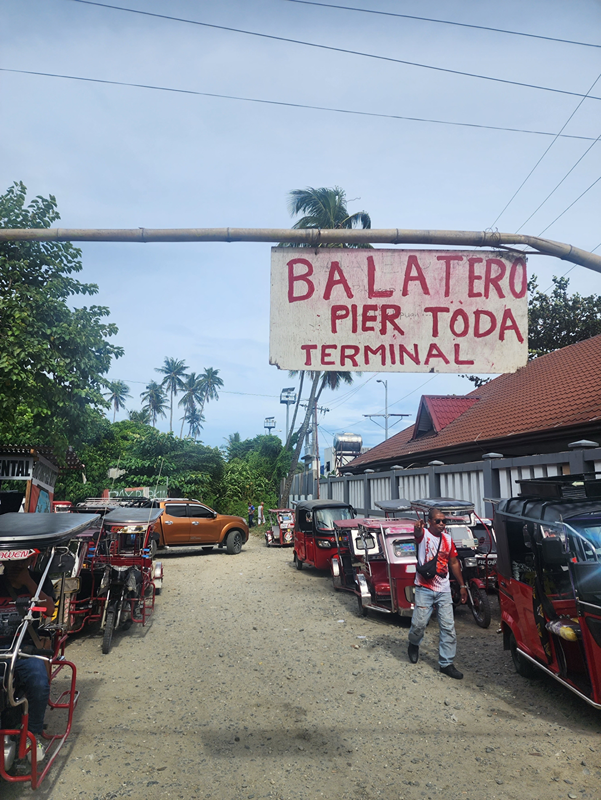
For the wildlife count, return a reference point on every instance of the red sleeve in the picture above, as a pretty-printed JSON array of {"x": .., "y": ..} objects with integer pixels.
[{"x": 453, "y": 550}]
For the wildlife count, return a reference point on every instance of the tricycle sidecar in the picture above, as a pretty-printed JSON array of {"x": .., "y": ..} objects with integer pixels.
[
  {"x": 281, "y": 528},
  {"x": 25, "y": 633},
  {"x": 125, "y": 578},
  {"x": 385, "y": 561}
]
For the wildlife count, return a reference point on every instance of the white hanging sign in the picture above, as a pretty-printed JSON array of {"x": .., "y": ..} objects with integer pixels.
[{"x": 398, "y": 310}]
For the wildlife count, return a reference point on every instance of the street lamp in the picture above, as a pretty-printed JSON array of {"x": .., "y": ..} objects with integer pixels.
[
  {"x": 288, "y": 398},
  {"x": 269, "y": 424}
]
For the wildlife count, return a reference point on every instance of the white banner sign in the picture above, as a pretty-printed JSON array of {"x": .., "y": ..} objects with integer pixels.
[{"x": 398, "y": 310}]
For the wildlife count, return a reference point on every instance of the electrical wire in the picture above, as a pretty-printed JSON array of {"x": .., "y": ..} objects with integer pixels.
[
  {"x": 594, "y": 183},
  {"x": 292, "y": 105},
  {"x": 445, "y": 22},
  {"x": 528, "y": 176},
  {"x": 552, "y": 192},
  {"x": 333, "y": 49}
]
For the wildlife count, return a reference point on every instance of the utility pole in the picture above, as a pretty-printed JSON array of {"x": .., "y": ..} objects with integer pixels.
[
  {"x": 315, "y": 442},
  {"x": 386, "y": 415}
]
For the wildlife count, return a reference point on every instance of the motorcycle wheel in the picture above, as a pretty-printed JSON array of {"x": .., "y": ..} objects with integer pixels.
[
  {"x": 152, "y": 548},
  {"x": 109, "y": 629},
  {"x": 480, "y": 607},
  {"x": 297, "y": 562}
]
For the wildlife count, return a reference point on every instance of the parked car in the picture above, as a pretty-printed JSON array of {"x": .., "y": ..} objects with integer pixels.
[{"x": 189, "y": 522}]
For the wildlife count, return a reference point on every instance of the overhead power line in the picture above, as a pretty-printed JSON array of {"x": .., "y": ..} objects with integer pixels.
[
  {"x": 552, "y": 192},
  {"x": 333, "y": 49},
  {"x": 446, "y": 22},
  {"x": 287, "y": 104},
  {"x": 594, "y": 183},
  {"x": 528, "y": 176}
]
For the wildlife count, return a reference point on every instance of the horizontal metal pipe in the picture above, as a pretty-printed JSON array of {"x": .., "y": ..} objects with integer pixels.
[{"x": 311, "y": 237}]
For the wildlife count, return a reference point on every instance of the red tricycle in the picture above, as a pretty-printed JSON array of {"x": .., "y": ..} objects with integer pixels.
[
  {"x": 385, "y": 558},
  {"x": 26, "y": 635},
  {"x": 314, "y": 541},
  {"x": 281, "y": 530},
  {"x": 549, "y": 565}
]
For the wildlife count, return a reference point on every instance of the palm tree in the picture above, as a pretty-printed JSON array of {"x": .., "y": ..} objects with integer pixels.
[
  {"x": 210, "y": 382},
  {"x": 155, "y": 400},
  {"x": 142, "y": 416},
  {"x": 325, "y": 208},
  {"x": 174, "y": 370},
  {"x": 118, "y": 392},
  {"x": 195, "y": 420},
  {"x": 193, "y": 394},
  {"x": 321, "y": 208}
]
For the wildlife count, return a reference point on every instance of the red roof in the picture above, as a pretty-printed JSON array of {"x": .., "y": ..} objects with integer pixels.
[
  {"x": 437, "y": 411},
  {"x": 559, "y": 390}
]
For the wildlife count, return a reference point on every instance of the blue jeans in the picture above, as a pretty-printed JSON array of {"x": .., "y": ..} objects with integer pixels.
[
  {"x": 425, "y": 601},
  {"x": 34, "y": 677}
]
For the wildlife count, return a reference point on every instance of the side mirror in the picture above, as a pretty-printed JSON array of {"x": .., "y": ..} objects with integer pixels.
[{"x": 553, "y": 552}]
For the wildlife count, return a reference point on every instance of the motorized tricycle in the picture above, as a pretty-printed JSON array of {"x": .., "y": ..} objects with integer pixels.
[
  {"x": 460, "y": 520},
  {"x": 385, "y": 558},
  {"x": 281, "y": 530},
  {"x": 549, "y": 565},
  {"x": 25, "y": 634},
  {"x": 314, "y": 541},
  {"x": 125, "y": 577}
]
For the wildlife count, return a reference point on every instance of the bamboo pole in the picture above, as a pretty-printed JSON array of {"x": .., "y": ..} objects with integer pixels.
[{"x": 309, "y": 237}]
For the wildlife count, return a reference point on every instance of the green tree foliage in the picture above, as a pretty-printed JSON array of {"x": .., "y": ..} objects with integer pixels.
[
  {"x": 174, "y": 370},
  {"x": 253, "y": 472},
  {"x": 147, "y": 458},
  {"x": 143, "y": 416},
  {"x": 559, "y": 319},
  {"x": 117, "y": 394},
  {"x": 210, "y": 383},
  {"x": 52, "y": 356},
  {"x": 154, "y": 400},
  {"x": 325, "y": 208}
]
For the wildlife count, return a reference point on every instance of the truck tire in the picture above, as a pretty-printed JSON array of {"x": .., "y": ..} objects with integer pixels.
[{"x": 234, "y": 542}]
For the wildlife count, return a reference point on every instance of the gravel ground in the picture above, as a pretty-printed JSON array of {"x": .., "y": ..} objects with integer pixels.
[{"x": 255, "y": 680}]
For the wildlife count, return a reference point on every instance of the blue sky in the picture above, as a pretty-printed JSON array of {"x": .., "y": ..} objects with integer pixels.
[{"x": 127, "y": 157}]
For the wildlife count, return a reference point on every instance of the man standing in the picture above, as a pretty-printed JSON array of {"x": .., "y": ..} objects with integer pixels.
[
  {"x": 18, "y": 581},
  {"x": 435, "y": 592},
  {"x": 260, "y": 516},
  {"x": 251, "y": 515}
]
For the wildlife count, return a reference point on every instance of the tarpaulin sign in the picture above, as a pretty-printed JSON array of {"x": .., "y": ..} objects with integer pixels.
[{"x": 398, "y": 310}]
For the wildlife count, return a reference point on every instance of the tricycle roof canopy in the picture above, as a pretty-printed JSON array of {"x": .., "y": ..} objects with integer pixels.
[
  {"x": 446, "y": 504},
  {"x": 133, "y": 516},
  {"x": 41, "y": 530},
  {"x": 394, "y": 505},
  {"x": 309, "y": 505}
]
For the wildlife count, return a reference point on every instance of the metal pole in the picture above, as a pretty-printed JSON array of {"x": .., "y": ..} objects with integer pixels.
[
  {"x": 287, "y": 415},
  {"x": 385, "y": 414},
  {"x": 311, "y": 237}
]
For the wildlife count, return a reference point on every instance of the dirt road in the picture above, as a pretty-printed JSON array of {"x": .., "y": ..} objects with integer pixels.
[{"x": 258, "y": 681}]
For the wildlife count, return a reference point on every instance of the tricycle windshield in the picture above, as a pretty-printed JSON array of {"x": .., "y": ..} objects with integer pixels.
[
  {"x": 586, "y": 546},
  {"x": 324, "y": 517}
]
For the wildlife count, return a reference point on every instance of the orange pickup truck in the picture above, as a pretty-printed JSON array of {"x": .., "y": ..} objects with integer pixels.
[{"x": 188, "y": 522}]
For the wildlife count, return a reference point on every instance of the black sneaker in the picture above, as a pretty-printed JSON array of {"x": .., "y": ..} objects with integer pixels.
[
  {"x": 452, "y": 672},
  {"x": 413, "y": 651}
]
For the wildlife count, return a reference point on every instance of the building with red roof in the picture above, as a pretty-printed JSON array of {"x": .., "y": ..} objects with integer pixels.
[{"x": 552, "y": 401}]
